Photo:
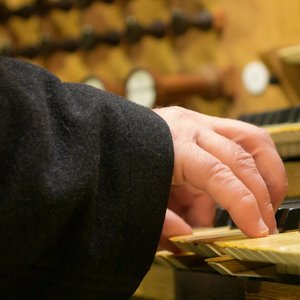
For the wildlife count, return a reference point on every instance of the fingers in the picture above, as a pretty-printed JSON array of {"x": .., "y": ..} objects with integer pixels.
[
  {"x": 208, "y": 173},
  {"x": 243, "y": 166},
  {"x": 173, "y": 226},
  {"x": 259, "y": 144}
]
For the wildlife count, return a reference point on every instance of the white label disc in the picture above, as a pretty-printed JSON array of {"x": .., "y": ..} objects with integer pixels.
[
  {"x": 140, "y": 88},
  {"x": 255, "y": 77},
  {"x": 94, "y": 82}
]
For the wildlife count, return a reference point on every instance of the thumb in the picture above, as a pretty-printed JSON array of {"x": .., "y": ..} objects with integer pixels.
[{"x": 173, "y": 225}]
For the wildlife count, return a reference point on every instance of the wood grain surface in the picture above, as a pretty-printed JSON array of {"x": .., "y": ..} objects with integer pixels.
[{"x": 251, "y": 28}]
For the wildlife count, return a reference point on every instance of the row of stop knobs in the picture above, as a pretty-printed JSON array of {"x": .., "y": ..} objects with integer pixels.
[
  {"x": 152, "y": 89},
  {"x": 180, "y": 23}
]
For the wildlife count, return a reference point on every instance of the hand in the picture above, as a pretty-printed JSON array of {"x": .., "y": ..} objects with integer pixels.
[{"x": 223, "y": 161}]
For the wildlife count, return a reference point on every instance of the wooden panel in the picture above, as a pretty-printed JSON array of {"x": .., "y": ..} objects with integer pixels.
[{"x": 252, "y": 27}]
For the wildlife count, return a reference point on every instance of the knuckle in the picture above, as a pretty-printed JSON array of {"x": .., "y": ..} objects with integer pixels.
[
  {"x": 282, "y": 188},
  {"x": 260, "y": 133},
  {"x": 218, "y": 170},
  {"x": 263, "y": 134},
  {"x": 244, "y": 159}
]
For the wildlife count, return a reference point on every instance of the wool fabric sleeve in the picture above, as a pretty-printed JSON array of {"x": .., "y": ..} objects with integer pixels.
[{"x": 84, "y": 183}]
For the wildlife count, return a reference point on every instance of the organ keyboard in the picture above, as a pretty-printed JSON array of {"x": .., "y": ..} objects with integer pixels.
[
  {"x": 284, "y": 127},
  {"x": 222, "y": 259}
]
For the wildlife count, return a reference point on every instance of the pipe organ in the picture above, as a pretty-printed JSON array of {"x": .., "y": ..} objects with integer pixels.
[{"x": 227, "y": 58}]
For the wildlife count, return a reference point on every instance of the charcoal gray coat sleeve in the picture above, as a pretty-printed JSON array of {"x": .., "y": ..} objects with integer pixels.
[{"x": 84, "y": 184}]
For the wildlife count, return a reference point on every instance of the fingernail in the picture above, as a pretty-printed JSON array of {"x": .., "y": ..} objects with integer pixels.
[
  {"x": 276, "y": 231},
  {"x": 263, "y": 229}
]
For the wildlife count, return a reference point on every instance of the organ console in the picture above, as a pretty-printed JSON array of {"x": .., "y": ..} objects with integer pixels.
[
  {"x": 98, "y": 41},
  {"x": 221, "y": 262}
]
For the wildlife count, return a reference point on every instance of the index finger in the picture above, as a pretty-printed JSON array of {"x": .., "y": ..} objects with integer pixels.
[
  {"x": 259, "y": 144},
  {"x": 206, "y": 172}
]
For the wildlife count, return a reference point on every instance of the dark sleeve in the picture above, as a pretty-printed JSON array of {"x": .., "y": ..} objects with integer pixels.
[{"x": 84, "y": 184}]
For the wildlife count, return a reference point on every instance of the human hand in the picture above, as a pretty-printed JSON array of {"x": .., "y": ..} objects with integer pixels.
[{"x": 223, "y": 161}]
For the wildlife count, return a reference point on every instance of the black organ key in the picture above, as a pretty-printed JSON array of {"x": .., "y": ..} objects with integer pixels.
[
  {"x": 295, "y": 114},
  {"x": 222, "y": 218},
  {"x": 247, "y": 118},
  {"x": 259, "y": 119},
  {"x": 283, "y": 116},
  {"x": 290, "y": 219},
  {"x": 275, "y": 117},
  {"x": 279, "y": 215},
  {"x": 286, "y": 115},
  {"x": 288, "y": 215},
  {"x": 232, "y": 224}
]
